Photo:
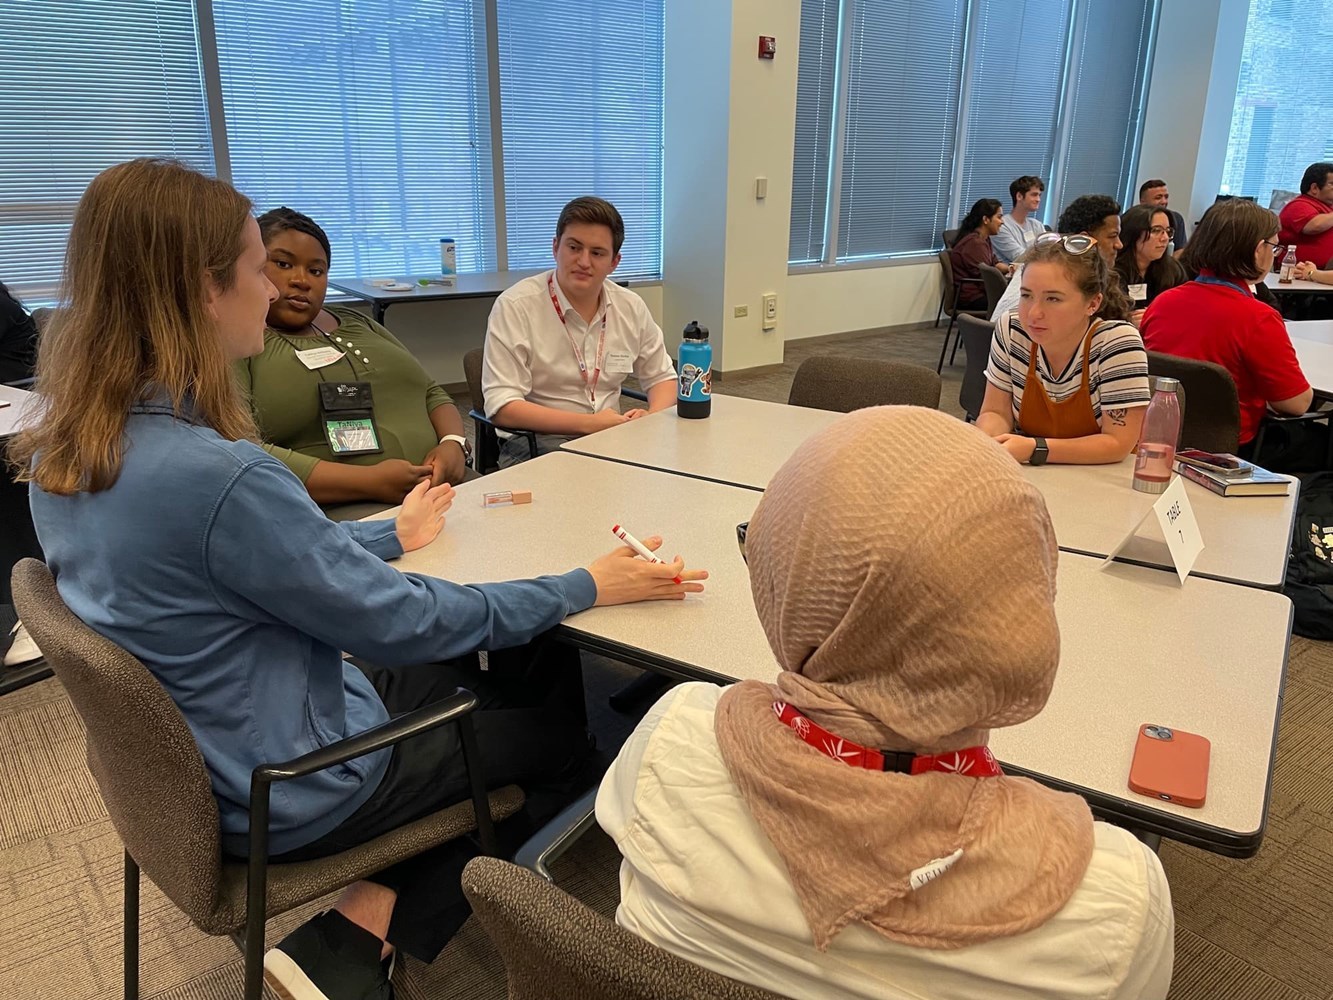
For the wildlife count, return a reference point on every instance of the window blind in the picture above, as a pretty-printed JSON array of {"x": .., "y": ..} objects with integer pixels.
[
  {"x": 902, "y": 108},
  {"x": 1016, "y": 56},
  {"x": 816, "y": 78},
  {"x": 87, "y": 85},
  {"x": 581, "y": 108},
  {"x": 1107, "y": 78},
  {"x": 373, "y": 118}
]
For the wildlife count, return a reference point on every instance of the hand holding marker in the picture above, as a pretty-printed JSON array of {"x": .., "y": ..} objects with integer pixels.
[{"x": 637, "y": 546}]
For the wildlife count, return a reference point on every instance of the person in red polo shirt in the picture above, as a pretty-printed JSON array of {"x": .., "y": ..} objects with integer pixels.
[
  {"x": 1307, "y": 220},
  {"x": 1216, "y": 318}
]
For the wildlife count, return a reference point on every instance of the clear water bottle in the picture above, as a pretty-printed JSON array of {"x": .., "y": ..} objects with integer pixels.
[
  {"x": 1158, "y": 440},
  {"x": 1288, "y": 270},
  {"x": 694, "y": 374}
]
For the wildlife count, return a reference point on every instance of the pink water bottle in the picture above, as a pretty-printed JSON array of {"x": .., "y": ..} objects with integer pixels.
[{"x": 1158, "y": 439}]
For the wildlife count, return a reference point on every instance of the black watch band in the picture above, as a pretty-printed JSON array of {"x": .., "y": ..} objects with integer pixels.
[{"x": 1039, "y": 452}]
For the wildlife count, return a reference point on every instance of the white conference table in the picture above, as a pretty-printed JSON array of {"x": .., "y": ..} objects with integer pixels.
[
  {"x": 1313, "y": 341},
  {"x": 19, "y": 401},
  {"x": 1294, "y": 287},
  {"x": 746, "y": 441},
  {"x": 1137, "y": 646},
  {"x": 1093, "y": 507},
  {"x": 743, "y": 443}
]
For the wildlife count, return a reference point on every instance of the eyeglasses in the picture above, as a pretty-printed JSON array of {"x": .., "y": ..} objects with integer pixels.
[
  {"x": 1166, "y": 231},
  {"x": 1277, "y": 247},
  {"x": 740, "y": 538},
  {"x": 1077, "y": 244}
]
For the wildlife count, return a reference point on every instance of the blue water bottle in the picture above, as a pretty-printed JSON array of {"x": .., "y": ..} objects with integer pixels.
[{"x": 694, "y": 385}]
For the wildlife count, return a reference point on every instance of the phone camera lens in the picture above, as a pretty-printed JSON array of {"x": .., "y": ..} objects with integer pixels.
[{"x": 1158, "y": 733}]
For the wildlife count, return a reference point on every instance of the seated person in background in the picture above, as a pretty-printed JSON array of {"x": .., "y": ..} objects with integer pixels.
[
  {"x": 1093, "y": 215},
  {"x": 972, "y": 248},
  {"x": 1305, "y": 271},
  {"x": 817, "y": 836},
  {"x": 416, "y": 432},
  {"x": 559, "y": 344},
  {"x": 18, "y": 339},
  {"x": 1216, "y": 318},
  {"x": 1067, "y": 379},
  {"x": 1020, "y": 228},
  {"x": 173, "y": 535},
  {"x": 1144, "y": 266},
  {"x": 1307, "y": 220},
  {"x": 1154, "y": 193}
]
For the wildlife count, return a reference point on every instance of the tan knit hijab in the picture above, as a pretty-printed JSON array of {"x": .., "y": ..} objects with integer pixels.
[{"x": 904, "y": 572}]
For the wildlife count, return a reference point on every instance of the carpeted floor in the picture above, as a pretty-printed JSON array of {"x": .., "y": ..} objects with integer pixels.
[{"x": 1260, "y": 929}]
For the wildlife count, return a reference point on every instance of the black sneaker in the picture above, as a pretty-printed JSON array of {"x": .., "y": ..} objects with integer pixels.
[{"x": 328, "y": 958}]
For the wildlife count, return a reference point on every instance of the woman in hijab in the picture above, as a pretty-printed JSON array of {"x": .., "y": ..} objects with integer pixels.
[{"x": 845, "y": 830}]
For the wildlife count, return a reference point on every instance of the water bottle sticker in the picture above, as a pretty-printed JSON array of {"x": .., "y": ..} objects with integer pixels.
[{"x": 695, "y": 383}]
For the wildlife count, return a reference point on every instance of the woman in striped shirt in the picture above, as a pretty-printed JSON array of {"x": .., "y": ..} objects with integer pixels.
[{"x": 1067, "y": 379}]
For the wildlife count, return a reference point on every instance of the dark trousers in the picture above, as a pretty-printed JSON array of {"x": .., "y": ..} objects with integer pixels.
[
  {"x": 531, "y": 731},
  {"x": 1290, "y": 448}
]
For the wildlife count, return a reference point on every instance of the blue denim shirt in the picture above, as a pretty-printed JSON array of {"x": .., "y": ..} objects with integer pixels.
[{"x": 210, "y": 563}]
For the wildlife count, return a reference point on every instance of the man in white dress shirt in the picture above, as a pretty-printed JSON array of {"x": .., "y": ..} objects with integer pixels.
[{"x": 559, "y": 344}]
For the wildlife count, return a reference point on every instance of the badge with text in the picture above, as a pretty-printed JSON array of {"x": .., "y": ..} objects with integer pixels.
[
  {"x": 620, "y": 362},
  {"x": 1138, "y": 291},
  {"x": 1179, "y": 527},
  {"x": 319, "y": 357}
]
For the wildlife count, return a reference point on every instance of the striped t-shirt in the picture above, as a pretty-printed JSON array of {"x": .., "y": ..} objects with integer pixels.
[{"x": 1117, "y": 366}]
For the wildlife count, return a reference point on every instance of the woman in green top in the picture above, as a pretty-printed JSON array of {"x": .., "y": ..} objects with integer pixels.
[{"x": 318, "y": 358}]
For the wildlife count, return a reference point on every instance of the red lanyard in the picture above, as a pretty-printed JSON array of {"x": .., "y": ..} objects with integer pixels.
[
  {"x": 973, "y": 762},
  {"x": 578, "y": 354}
]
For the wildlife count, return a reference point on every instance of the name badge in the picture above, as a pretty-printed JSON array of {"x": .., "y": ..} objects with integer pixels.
[
  {"x": 319, "y": 357},
  {"x": 620, "y": 363},
  {"x": 1138, "y": 292}
]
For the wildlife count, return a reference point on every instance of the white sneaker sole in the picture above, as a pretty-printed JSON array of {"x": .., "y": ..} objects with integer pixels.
[{"x": 287, "y": 979}]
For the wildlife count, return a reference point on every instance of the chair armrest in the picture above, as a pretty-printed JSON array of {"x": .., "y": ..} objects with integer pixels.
[
  {"x": 1282, "y": 418},
  {"x": 559, "y": 835},
  {"x": 21, "y": 383},
  {"x": 968, "y": 281},
  {"x": 386, "y": 734},
  {"x": 642, "y": 397}
]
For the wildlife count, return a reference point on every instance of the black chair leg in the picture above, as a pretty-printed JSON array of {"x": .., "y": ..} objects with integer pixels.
[
  {"x": 957, "y": 339},
  {"x": 256, "y": 897},
  {"x": 131, "y": 928},
  {"x": 939, "y": 312},
  {"x": 944, "y": 348},
  {"x": 481, "y": 804}
]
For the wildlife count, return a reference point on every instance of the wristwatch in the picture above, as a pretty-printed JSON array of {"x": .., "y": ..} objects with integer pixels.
[
  {"x": 462, "y": 443},
  {"x": 1039, "y": 453}
]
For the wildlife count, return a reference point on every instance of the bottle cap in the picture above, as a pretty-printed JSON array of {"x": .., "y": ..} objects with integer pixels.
[
  {"x": 696, "y": 332},
  {"x": 1165, "y": 384}
]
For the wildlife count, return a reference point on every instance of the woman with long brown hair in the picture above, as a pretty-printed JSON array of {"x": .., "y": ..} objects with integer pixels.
[
  {"x": 173, "y": 534},
  {"x": 1067, "y": 379}
]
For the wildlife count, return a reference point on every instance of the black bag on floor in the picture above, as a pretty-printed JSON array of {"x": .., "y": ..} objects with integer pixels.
[{"x": 1310, "y": 569}]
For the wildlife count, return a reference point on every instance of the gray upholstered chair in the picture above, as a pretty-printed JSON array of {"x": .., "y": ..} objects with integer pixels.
[
  {"x": 977, "y": 335},
  {"x": 156, "y": 789},
  {"x": 949, "y": 294},
  {"x": 1209, "y": 405},
  {"x": 847, "y": 384},
  {"x": 995, "y": 283},
  {"x": 554, "y": 946}
]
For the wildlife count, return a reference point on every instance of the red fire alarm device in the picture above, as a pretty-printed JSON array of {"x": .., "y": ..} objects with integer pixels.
[{"x": 768, "y": 47}]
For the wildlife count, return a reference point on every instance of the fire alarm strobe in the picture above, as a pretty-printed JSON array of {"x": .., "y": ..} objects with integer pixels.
[{"x": 768, "y": 47}]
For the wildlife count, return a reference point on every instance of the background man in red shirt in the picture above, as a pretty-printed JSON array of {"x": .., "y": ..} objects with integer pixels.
[{"x": 1307, "y": 220}]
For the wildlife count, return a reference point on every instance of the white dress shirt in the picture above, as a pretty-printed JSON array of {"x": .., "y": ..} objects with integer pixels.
[
  {"x": 1012, "y": 293},
  {"x": 530, "y": 353},
  {"x": 701, "y": 880}
]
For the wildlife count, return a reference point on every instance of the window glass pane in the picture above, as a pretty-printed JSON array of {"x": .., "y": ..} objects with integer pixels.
[
  {"x": 373, "y": 118},
  {"x": 1283, "y": 119},
  {"x": 902, "y": 108},
  {"x": 816, "y": 75},
  {"x": 76, "y": 99},
  {"x": 1110, "y": 55},
  {"x": 581, "y": 100},
  {"x": 1015, "y": 59}
]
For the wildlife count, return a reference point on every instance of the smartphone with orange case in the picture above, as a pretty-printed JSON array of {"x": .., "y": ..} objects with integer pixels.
[{"x": 1171, "y": 765}]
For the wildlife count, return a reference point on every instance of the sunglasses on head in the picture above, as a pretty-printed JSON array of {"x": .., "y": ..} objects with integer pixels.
[{"x": 1077, "y": 244}]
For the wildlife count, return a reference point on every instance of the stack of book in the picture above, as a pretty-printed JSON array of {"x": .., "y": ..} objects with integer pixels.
[{"x": 1247, "y": 481}]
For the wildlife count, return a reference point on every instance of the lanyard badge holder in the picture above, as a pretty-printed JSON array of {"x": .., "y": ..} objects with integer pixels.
[{"x": 348, "y": 412}]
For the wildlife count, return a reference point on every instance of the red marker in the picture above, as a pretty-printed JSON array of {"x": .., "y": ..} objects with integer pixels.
[{"x": 637, "y": 546}]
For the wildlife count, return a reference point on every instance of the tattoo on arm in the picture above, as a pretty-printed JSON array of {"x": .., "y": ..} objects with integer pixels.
[{"x": 1117, "y": 417}]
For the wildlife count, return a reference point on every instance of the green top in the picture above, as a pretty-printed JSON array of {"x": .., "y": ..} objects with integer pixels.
[{"x": 285, "y": 394}]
